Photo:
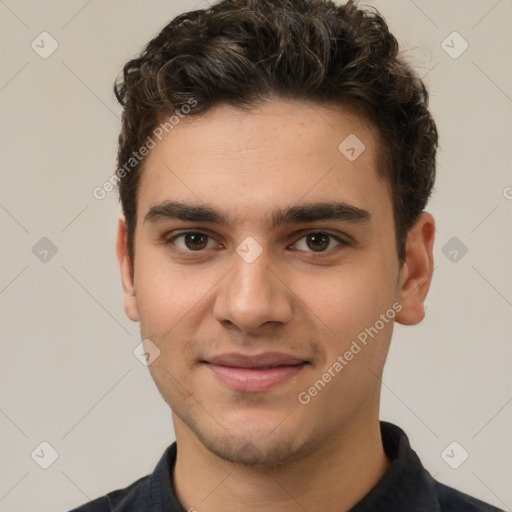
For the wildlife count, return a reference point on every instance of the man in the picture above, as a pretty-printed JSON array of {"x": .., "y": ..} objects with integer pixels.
[{"x": 275, "y": 161}]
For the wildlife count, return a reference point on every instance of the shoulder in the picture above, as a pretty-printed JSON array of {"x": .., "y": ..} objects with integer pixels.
[
  {"x": 451, "y": 500},
  {"x": 128, "y": 499},
  {"x": 145, "y": 494}
]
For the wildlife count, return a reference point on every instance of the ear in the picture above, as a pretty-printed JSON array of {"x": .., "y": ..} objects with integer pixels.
[
  {"x": 126, "y": 267},
  {"x": 417, "y": 269}
]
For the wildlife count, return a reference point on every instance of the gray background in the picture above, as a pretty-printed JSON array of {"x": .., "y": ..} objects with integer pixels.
[{"x": 68, "y": 373}]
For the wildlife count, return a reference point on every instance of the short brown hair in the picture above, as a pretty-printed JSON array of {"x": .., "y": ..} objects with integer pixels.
[{"x": 245, "y": 52}]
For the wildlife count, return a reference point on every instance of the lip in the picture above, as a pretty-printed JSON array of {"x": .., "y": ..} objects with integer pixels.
[{"x": 255, "y": 373}]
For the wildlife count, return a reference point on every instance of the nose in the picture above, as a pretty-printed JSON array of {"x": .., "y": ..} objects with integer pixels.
[{"x": 253, "y": 294}]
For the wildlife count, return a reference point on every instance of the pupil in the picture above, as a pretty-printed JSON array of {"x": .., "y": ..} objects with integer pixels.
[
  {"x": 194, "y": 241},
  {"x": 319, "y": 240}
]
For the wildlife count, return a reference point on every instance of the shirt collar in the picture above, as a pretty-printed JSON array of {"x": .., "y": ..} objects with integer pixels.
[{"x": 406, "y": 485}]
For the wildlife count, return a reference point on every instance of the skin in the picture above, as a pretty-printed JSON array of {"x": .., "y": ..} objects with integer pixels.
[{"x": 266, "y": 450}]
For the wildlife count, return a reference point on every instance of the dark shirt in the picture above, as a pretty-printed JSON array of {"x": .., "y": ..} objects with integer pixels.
[{"x": 405, "y": 487}]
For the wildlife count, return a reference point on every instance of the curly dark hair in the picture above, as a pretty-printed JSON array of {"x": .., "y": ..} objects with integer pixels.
[{"x": 246, "y": 52}]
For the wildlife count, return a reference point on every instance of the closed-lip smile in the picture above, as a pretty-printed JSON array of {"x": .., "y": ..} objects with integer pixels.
[{"x": 254, "y": 373}]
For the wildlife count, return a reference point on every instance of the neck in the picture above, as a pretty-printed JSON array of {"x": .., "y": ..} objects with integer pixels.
[{"x": 335, "y": 475}]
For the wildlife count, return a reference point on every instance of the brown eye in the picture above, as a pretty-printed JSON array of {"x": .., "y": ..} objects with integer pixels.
[
  {"x": 196, "y": 241},
  {"x": 318, "y": 241},
  {"x": 192, "y": 241}
]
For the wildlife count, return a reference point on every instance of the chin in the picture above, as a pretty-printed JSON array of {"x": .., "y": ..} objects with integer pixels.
[
  {"x": 248, "y": 451},
  {"x": 248, "y": 439}
]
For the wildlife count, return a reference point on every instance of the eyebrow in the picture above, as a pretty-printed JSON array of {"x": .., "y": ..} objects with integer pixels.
[{"x": 310, "y": 212}]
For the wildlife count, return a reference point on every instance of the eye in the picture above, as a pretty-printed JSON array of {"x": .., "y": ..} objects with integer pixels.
[
  {"x": 313, "y": 241},
  {"x": 318, "y": 241},
  {"x": 192, "y": 241}
]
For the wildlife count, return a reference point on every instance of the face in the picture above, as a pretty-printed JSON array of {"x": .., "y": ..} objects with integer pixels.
[{"x": 270, "y": 291}]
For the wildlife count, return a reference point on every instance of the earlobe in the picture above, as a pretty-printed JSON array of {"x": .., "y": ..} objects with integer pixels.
[
  {"x": 127, "y": 273},
  {"x": 417, "y": 270}
]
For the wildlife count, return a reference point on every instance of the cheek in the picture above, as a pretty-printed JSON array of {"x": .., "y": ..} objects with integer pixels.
[
  {"x": 344, "y": 301},
  {"x": 347, "y": 307},
  {"x": 162, "y": 296},
  {"x": 171, "y": 298}
]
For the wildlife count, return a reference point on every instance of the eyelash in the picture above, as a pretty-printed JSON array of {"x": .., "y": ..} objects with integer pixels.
[{"x": 341, "y": 241}]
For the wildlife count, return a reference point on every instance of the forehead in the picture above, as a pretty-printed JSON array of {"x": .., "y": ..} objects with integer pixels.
[{"x": 281, "y": 153}]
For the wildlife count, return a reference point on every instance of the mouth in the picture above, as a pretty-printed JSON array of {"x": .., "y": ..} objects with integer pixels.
[{"x": 256, "y": 373}]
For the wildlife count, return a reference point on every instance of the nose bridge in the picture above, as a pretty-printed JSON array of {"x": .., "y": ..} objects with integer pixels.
[{"x": 251, "y": 294}]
